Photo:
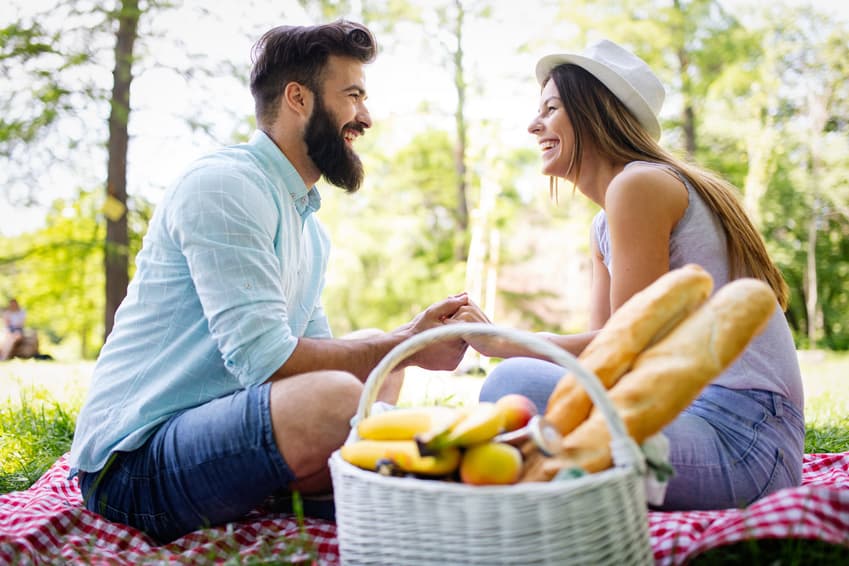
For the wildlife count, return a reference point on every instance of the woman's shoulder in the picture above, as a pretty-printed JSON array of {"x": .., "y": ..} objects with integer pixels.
[
  {"x": 649, "y": 187},
  {"x": 648, "y": 172}
]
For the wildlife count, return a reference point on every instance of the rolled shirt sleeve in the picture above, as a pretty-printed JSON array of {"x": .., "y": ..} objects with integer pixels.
[
  {"x": 227, "y": 229},
  {"x": 229, "y": 277}
]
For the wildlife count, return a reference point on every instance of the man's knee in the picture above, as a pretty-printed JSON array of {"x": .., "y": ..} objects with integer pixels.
[
  {"x": 343, "y": 387},
  {"x": 320, "y": 391},
  {"x": 311, "y": 415}
]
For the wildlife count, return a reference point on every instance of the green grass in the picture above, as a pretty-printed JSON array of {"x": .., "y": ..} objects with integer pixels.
[
  {"x": 32, "y": 436},
  {"x": 42, "y": 400}
]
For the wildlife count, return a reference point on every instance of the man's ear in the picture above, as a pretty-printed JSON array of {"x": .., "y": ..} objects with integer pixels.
[{"x": 298, "y": 98}]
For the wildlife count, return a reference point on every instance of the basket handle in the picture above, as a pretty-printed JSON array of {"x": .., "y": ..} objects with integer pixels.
[{"x": 624, "y": 449}]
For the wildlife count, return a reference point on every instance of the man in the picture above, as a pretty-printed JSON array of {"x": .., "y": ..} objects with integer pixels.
[{"x": 220, "y": 383}]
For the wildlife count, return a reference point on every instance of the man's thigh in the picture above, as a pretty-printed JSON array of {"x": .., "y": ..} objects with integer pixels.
[{"x": 205, "y": 466}]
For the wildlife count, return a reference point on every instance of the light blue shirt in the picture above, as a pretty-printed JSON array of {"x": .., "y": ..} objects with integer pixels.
[{"x": 229, "y": 276}]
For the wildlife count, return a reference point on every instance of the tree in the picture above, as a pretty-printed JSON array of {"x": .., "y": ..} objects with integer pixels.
[
  {"x": 116, "y": 256},
  {"x": 816, "y": 66},
  {"x": 57, "y": 273},
  {"x": 60, "y": 96}
]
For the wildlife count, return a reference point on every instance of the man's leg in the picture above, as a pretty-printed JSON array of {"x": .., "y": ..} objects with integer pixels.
[
  {"x": 310, "y": 416},
  {"x": 214, "y": 463}
]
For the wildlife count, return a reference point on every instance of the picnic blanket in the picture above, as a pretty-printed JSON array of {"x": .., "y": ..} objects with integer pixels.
[{"x": 47, "y": 524}]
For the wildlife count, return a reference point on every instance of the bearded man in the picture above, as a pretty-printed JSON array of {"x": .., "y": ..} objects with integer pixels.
[{"x": 220, "y": 384}]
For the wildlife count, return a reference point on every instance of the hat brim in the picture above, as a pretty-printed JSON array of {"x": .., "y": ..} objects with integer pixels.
[{"x": 620, "y": 87}]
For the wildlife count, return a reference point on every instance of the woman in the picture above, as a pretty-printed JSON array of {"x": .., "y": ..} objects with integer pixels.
[{"x": 598, "y": 128}]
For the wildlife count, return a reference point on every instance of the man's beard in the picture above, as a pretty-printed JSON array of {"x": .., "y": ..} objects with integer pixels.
[{"x": 327, "y": 148}]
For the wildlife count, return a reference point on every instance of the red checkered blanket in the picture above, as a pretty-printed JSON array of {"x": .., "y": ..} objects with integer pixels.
[{"x": 47, "y": 524}]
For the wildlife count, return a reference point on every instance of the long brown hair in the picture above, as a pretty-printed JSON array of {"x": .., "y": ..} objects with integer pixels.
[
  {"x": 299, "y": 53},
  {"x": 598, "y": 115}
]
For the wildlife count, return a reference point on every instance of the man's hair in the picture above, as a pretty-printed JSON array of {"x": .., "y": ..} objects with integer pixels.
[
  {"x": 299, "y": 53},
  {"x": 600, "y": 118}
]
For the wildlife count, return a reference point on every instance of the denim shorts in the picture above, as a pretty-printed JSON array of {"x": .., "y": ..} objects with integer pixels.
[
  {"x": 729, "y": 448},
  {"x": 205, "y": 466}
]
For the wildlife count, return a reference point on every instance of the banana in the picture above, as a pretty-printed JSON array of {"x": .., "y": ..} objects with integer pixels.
[
  {"x": 367, "y": 454},
  {"x": 481, "y": 424},
  {"x": 405, "y": 424}
]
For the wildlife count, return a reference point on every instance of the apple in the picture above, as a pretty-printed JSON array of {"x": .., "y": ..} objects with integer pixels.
[
  {"x": 491, "y": 463},
  {"x": 517, "y": 410}
]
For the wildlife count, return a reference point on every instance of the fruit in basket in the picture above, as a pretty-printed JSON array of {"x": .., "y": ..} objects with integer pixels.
[
  {"x": 368, "y": 454},
  {"x": 405, "y": 424},
  {"x": 491, "y": 463},
  {"x": 481, "y": 424},
  {"x": 517, "y": 410}
]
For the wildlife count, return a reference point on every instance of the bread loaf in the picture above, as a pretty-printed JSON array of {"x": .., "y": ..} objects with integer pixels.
[
  {"x": 643, "y": 319},
  {"x": 668, "y": 376}
]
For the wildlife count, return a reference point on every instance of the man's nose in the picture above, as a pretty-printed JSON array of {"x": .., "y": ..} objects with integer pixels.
[{"x": 363, "y": 116}]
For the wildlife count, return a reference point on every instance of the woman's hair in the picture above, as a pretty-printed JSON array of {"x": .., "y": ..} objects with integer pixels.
[
  {"x": 596, "y": 114},
  {"x": 299, "y": 53}
]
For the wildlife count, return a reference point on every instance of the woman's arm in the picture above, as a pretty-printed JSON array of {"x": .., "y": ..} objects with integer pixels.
[
  {"x": 599, "y": 289},
  {"x": 643, "y": 204}
]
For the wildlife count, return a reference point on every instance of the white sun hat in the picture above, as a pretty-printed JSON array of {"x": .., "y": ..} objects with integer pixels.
[{"x": 626, "y": 75}]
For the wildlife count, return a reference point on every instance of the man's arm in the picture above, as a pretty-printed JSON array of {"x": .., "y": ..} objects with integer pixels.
[{"x": 360, "y": 355}]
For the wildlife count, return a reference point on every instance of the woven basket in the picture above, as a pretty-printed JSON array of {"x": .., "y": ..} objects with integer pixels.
[{"x": 599, "y": 518}]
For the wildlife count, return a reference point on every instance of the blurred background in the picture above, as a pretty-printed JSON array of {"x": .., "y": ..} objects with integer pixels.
[{"x": 102, "y": 104}]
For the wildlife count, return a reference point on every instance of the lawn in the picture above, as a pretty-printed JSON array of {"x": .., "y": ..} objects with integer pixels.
[{"x": 39, "y": 402}]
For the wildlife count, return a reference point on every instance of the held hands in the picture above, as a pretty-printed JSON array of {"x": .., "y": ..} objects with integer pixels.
[
  {"x": 446, "y": 354},
  {"x": 491, "y": 346}
]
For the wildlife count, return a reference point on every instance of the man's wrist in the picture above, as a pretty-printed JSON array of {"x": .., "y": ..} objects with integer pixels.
[{"x": 399, "y": 335}]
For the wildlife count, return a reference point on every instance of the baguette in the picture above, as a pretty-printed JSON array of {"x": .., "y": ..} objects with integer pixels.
[
  {"x": 642, "y": 320},
  {"x": 668, "y": 376}
]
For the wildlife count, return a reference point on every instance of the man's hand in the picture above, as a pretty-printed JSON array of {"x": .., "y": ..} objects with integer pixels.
[
  {"x": 490, "y": 346},
  {"x": 445, "y": 354}
]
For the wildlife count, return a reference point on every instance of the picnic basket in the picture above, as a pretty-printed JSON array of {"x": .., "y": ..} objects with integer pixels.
[{"x": 599, "y": 518}]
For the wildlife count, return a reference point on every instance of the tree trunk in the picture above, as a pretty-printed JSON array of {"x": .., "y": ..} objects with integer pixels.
[
  {"x": 818, "y": 114},
  {"x": 759, "y": 145},
  {"x": 689, "y": 117},
  {"x": 462, "y": 211},
  {"x": 811, "y": 277},
  {"x": 116, "y": 252}
]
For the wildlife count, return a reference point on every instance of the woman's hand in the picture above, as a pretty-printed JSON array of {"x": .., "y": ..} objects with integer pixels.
[{"x": 491, "y": 346}]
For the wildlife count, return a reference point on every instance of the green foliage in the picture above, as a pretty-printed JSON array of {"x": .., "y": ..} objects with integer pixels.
[
  {"x": 757, "y": 81},
  {"x": 56, "y": 272},
  {"x": 393, "y": 239}
]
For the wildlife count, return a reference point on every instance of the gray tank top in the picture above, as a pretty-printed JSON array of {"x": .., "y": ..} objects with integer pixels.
[{"x": 770, "y": 361}]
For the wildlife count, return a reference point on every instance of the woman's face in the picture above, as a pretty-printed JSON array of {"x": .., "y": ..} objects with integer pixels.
[{"x": 554, "y": 133}]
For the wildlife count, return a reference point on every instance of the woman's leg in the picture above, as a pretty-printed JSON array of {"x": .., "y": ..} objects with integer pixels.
[
  {"x": 531, "y": 377},
  {"x": 732, "y": 447}
]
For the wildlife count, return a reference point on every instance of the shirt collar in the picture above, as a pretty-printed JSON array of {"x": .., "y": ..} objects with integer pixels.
[{"x": 283, "y": 173}]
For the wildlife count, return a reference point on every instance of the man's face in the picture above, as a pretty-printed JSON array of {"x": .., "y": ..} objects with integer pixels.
[{"x": 339, "y": 116}]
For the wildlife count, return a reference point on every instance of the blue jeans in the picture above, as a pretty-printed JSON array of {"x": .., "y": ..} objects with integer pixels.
[
  {"x": 206, "y": 466},
  {"x": 729, "y": 447}
]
